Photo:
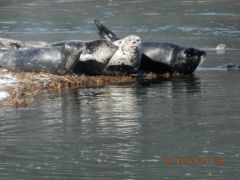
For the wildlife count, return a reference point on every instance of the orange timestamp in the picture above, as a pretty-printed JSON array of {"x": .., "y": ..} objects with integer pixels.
[{"x": 193, "y": 160}]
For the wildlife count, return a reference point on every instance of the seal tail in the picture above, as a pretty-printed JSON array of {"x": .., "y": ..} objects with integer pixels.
[
  {"x": 104, "y": 32},
  {"x": 10, "y": 43}
]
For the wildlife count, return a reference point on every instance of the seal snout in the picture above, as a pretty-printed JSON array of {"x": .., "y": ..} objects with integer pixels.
[
  {"x": 134, "y": 41},
  {"x": 202, "y": 56},
  {"x": 191, "y": 53}
]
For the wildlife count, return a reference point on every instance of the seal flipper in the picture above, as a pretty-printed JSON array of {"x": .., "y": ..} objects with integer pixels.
[
  {"x": 105, "y": 33},
  {"x": 150, "y": 65}
]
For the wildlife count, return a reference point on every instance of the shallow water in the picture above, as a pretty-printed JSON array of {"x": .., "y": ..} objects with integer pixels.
[{"x": 128, "y": 132}]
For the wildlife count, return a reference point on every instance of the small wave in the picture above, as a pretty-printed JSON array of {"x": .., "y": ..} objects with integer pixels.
[
  {"x": 36, "y": 4},
  {"x": 214, "y": 49},
  {"x": 211, "y": 14},
  {"x": 231, "y": 32},
  {"x": 108, "y": 14},
  {"x": 49, "y": 31},
  {"x": 225, "y": 67},
  {"x": 8, "y": 22},
  {"x": 151, "y": 14}
]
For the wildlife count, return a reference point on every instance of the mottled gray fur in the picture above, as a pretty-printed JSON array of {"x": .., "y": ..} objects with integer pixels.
[{"x": 55, "y": 60}]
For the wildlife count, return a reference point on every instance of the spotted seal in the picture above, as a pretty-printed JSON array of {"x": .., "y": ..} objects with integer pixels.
[
  {"x": 94, "y": 57},
  {"x": 162, "y": 57},
  {"x": 127, "y": 58}
]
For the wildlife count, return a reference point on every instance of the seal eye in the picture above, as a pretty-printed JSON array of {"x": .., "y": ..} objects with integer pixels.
[{"x": 189, "y": 52}]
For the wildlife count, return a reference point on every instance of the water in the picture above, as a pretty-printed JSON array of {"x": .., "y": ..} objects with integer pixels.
[{"x": 128, "y": 132}]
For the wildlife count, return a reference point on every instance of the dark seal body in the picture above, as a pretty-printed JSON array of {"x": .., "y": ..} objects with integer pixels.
[
  {"x": 167, "y": 57},
  {"x": 55, "y": 60},
  {"x": 162, "y": 57}
]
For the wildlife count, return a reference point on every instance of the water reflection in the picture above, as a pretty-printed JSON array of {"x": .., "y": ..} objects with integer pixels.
[
  {"x": 104, "y": 127},
  {"x": 124, "y": 131},
  {"x": 120, "y": 111},
  {"x": 113, "y": 107}
]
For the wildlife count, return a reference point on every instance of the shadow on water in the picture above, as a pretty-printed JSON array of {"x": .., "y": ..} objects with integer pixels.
[{"x": 189, "y": 84}]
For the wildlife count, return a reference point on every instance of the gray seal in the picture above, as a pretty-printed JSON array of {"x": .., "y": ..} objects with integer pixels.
[
  {"x": 55, "y": 60},
  {"x": 92, "y": 60},
  {"x": 99, "y": 57},
  {"x": 160, "y": 57}
]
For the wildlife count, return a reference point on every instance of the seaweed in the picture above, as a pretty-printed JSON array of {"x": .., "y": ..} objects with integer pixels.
[{"x": 30, "y": 84}]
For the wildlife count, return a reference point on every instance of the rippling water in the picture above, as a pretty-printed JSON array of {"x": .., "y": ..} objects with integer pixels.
[{"x": 128, "y": 132}]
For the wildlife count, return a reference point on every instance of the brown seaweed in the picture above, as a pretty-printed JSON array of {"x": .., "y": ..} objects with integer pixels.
[{"x": 31, "y": 84}]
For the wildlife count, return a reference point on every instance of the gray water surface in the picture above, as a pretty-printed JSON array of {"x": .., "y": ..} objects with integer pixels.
[{"x": 128, "y": 132}]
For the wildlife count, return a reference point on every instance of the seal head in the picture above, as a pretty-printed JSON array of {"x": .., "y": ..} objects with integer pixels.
[
  {"x": 128, "y": 57},
  {"x": 187, "y": 60}
]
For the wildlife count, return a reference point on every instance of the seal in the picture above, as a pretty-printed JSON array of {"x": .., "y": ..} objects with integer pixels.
[
  {"x": 127, "y": 58},
  {"x": 55, "y": 60},
  {"x": 166, "y": 57},
  {"x": 221, "y": 48},
  {"x": 93, "y": 59},
  {"x": 160, "y": 57},
  {"x": 100, "y": 57}
]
